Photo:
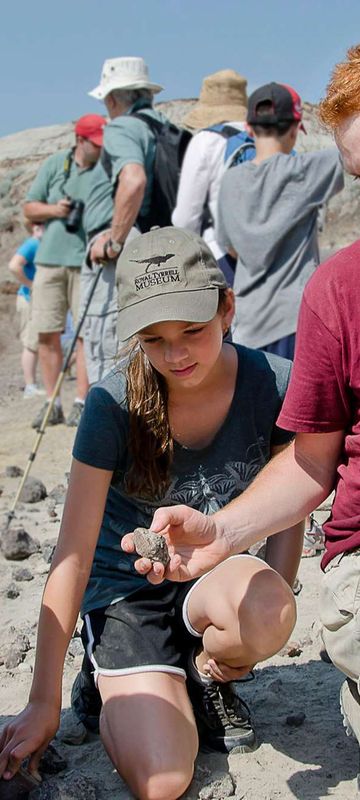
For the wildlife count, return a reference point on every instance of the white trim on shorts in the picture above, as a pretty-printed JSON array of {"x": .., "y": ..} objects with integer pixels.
[
  {"x": 185, "y": 615},
  {"x": 112, "y": 673}
]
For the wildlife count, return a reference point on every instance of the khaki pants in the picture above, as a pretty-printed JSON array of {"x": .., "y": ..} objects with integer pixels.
[{"x": 340, "y": 613}]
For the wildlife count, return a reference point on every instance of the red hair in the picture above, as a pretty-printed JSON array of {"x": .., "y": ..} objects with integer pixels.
[{"x": 342, "y": 98}]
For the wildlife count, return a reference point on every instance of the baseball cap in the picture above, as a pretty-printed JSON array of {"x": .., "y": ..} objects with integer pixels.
[
  {"x": 285, "y": 101},
  {"x": 166, "y": 274},
  {"x": 91, "y": 126}
]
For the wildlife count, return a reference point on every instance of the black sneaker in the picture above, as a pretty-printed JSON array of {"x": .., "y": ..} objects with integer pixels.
[
  {"x": 223, "y": 719},
  {"x": 85, "y": 698},
  {"x": 75, "y": 414},
  {"x": 56, "y": 416}
]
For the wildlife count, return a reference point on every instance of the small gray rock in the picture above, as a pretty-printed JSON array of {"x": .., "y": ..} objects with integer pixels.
[
  {"x": 58, "y": 493},
  {"x": 12, "y": 592},
  {"x": 16, "y": 544},
  {"x": 296, "y": 720},
  {"x": 71, "y": 730},
  {"x": 33, "y": 491},
  {"x": 151, "y": 545},
  {"x": 23, "y": 574},
  {"x": 12, "y": 471},
  {"x": 76, "y": 648},
  {"x": 73, "y": 786},
  {"x": 47, "y": 549},
  {"x": 15, "y": 652},
  {"x": 52, "y": 762},
  {"x": 220, "y": 788}
]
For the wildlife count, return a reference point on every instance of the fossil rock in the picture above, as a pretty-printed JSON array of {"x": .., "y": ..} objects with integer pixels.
[{"x": 151, "y": 545}]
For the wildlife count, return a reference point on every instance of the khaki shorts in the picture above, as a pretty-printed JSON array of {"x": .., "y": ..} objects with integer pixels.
[
  {"x": 28, "y": 336},
  {"x": 340, "y": 612},
  {"x": 55, "y": 290}
]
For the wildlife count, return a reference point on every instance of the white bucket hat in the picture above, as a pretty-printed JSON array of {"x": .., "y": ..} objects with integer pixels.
[{"x": 129, "y": 72}]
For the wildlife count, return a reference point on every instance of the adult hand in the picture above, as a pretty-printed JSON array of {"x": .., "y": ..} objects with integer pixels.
[
  {"x": 62, "y": 208},
  {"x": 27, "y": 735},
  {"x": 196, "y": 545},
  {"x": 97, "y": 253}
]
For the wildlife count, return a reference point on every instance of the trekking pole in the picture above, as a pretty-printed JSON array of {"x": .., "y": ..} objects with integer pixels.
[{"x": 53, "y": 397}]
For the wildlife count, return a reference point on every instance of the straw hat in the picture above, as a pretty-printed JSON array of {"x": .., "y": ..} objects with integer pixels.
[{"x": 222, "y": 98}]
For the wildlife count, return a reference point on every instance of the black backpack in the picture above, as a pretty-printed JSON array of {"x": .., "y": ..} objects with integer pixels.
[{"x": 171, "y": 143}]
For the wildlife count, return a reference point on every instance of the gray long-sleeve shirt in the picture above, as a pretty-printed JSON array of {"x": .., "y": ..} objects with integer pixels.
[{"x": 268, "y": 213}]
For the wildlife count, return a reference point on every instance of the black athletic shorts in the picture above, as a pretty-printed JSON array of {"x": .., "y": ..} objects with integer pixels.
[{"x": 148, "y": 631}]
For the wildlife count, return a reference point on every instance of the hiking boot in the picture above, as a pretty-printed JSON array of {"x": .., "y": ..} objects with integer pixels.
[
  {"x": 75, "y": 414},
  {"x": 223, "y": 719},
  {"x": 56, "y": 416},
  {"x": 85, "y": 698},
  {"x": 350, "y": 708}
]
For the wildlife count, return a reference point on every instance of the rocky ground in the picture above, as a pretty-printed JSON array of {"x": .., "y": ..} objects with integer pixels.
[
  {"x": 303, "y": 750},
  {"x": 303, "y": 753}
]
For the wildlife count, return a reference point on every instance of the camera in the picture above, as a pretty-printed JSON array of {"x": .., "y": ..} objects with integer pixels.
[{"x": 73, "y": 220}]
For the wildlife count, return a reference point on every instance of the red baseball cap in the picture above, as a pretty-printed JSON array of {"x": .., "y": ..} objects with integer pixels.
[
  {"x": 285, "y": 101},
  {"x": 91, "y": 126}
]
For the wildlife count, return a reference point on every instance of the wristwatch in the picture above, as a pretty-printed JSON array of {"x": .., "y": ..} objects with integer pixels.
[{"x": 116, "y": 247}]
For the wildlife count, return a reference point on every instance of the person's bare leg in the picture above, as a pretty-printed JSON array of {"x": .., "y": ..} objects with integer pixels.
[
  {"x": 283, "y": 552},
  {"x": 50, "y": 357},
  {"x": 244, "y": 610},
  {"x": 148, "y": 729},
  {"x": 82, "y": 383},
  {"x": 28, "y": 362}
]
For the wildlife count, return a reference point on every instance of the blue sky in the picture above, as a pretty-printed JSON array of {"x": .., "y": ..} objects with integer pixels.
[{"x": 51, "y": 53}]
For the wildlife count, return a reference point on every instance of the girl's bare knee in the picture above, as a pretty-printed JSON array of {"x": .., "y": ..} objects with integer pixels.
[{"x": 162, "y": 786}]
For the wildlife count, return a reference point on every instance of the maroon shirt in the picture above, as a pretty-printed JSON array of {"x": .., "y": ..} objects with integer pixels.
[{"x": 324, "y": 390}]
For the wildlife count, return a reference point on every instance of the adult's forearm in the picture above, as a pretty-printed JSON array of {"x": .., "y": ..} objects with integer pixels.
[
  {"x": 35, "y": 211},
  {"x": 288, "y": 488},
  {"x": 128, "y": 201}
]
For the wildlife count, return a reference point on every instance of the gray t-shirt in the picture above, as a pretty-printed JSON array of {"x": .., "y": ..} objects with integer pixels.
[
  {"x": 205, "y": 479},
  {"x": 267, "y": 213}
]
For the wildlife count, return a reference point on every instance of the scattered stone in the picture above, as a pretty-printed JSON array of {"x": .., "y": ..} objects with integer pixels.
[
  {"x": 52, "y": 513},
  {"x": 12, "y": 592},
  {"x": 5, "y": 187},
  {"x": 151, "y": 545},
  {"x": 47, "y": 549},
  {"x": 23, "y": 574},
  {"x": 296, "y": 720},
  {"x": 13, "y": 471},
  {"x": 297, "y": 586},
  {"x": 291, "y": 649},
  {"x": 16, "y": 544},
  {"x": 52, "y": 762},
  {"x": 14, "y": 652},
  {"x": 58, "y": 494},
  {"x": 71, "y": 730},
  {"x": 76, "y": 648},
  {"x": 33, "y": 491},
  {"x": 220, "y": 788},
  {"x": 73, "y": 786},
  {"x": 25, "y": 666}
]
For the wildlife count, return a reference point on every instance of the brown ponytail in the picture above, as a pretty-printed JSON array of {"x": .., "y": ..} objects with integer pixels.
[{"x": 150, "y": 439}]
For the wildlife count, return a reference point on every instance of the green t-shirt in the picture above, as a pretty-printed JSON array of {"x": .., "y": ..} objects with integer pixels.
[
  {"x": 127, "y": 140},
  {"x": 205, "y": 479},
  {"x": 58, "y": 247}
]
